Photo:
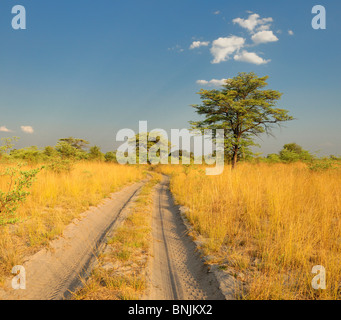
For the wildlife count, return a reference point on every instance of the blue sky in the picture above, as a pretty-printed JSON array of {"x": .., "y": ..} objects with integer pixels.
[{"x": 90, "y": 68}]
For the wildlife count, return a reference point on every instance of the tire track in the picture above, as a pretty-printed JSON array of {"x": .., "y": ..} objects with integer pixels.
[
  {"x": 53, "y": 274},
  {"x": 177, "y": 271}
]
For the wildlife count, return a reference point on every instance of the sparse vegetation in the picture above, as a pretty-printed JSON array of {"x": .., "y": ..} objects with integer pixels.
[{"x": 19, "y": 181}]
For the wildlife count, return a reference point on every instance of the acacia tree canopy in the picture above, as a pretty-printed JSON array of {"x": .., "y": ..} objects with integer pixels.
[{"x": 243, "y": 108}]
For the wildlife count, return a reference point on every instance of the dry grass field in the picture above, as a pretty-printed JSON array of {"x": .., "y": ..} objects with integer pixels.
[
  {"x": 268, "y": 225},
  {"x": 56, "y": 199}
]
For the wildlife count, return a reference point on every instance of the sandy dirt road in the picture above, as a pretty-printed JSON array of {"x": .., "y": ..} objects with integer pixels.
[
  {"x": 177, "y": 271},
  {"x": 51, "y": 274}
]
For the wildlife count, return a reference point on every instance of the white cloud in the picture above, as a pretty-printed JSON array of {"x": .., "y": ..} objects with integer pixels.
[
  {"x": 213, "y": 82},
  {"x": 216, "y": 12},
  {"x": 250, "y": 57},
  {"x": 4, "y": 129},
  {"x": 27, "y": 129},
  {"x": 264, "y": 37},
  {"x": 222, "y": 48},
  {"x": 263, "y": 27},
  {"x": 253, "y": 21},
  {"x": 291, "y": 33},
  {"x": 197, "y": 44},
  {"x": 176, "y": 48}
]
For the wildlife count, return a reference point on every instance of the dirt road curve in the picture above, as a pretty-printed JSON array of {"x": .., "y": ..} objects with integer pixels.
[
  {"x": 51, "y": 274},
  {"x": 177, "y": 272}
]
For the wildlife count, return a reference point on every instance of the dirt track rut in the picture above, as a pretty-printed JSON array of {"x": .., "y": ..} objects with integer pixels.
[
  {"x": 177, "y": 272},
  {"x": 52, "y": 274}
]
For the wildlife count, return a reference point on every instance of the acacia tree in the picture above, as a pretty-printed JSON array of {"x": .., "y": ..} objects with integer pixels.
[
  {"x": 79, "y": 144},
  {"x": 243, "y": 109},
  {"x": 147, "y": 141}
]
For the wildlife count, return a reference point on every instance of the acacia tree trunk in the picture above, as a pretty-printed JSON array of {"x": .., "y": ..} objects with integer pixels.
[
  {"x": 235, "y": 149},
  {"x": 234, "y": 157}
]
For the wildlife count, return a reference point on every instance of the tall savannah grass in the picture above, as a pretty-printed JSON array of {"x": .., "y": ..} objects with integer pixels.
[
  {"x": 269, "y": 223},
  {"x": 56, "y": 199}
]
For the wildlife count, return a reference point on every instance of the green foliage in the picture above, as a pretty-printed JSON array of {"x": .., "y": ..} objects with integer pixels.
[
  {"x": 273, "y": 158},
  {"x": 72, "y": 148},
  {"x": 50, "y": 152},
  {"x": 293, "y": 147},
  {"x": 66, "y": 150},
  {"x": 110, "y": 157},
  {"x": 7, "y": 144},
  {"x": 336, "y": 158},
  {"x": 243, "y": 109},
  {"x": 79, "y": 144},
  {"x": 293, "y": 152},
  {"x": 19, "y": 183},
  {"x": 30, "y": 154},
  {"x": 60, "y": 166},
  {"x": 146, "y": 141},
  {"x": 322, "y": 165},
  {"x": 95, "y": 153}
]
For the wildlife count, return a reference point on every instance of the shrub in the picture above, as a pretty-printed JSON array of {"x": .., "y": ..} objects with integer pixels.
[
  {"x": 19, "y": 183},
  {"x": 60, "y": 166},
  {"x": 110, "y": 157}
]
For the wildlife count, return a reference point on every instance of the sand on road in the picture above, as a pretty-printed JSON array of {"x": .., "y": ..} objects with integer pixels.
[
  {"x": 177, "y": 271},
  {"x": 51, "y": 274}
]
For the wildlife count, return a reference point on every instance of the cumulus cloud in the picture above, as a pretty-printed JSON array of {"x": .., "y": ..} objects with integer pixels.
[
  {"x": 197, "y": 44},
  {"x": 27, "y": 129},
  {"x": 264, "y": 37},
  {"x": 253, "y": 22},
  {"x": 250, "y": 57},
  {"x": 291, "y": 33},
  {"x": 4, "y": 129},
  {"x": 216, "y": 12},
  {"x": 222, "y": 48},
  {"x": 213, "y": 82},
  {"x": 263, "y": 27}
]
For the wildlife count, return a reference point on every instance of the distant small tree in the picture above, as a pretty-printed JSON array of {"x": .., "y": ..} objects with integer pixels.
[
  {"x": 292, "y": 152},
  {"x": 66, "y": 150},
  {"x": 95, "y": 153},
  {"x": 79, "y": 144},
  {"x": 30, "y": 154},
  {"x": 151, "y": 140},
  {"x": 293, "y": 147},
  {"x": 50, "y": 152},
  {"x": 273, "y": 157},
  {"x": 110, "y": 156},
  {"x": 335, "y": 158},
  {"x": 7, "y": 144}
]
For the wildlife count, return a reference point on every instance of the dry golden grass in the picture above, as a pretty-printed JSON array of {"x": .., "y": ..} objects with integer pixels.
[
  {"x": 126, "y": 253},
  {"x": 268, "y": 225},
  {"x": 55, "y": 200}
]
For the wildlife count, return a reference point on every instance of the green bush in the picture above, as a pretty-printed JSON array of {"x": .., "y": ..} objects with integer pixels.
[
  {"x": 60, "y": 166},
  {"x": 19, "y": 183},
  {"x": 322, "y": 165},
  {"x": 110, "y": 157}
]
